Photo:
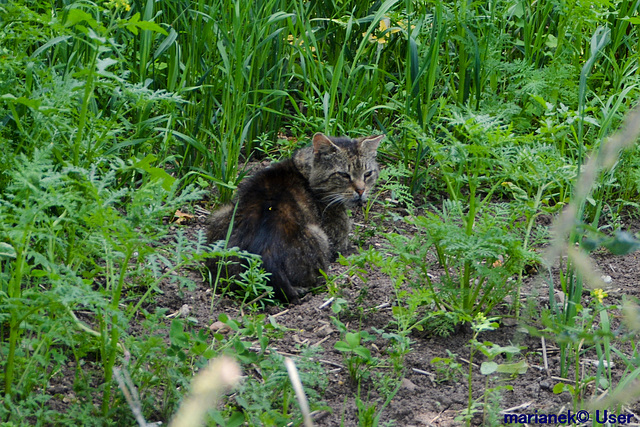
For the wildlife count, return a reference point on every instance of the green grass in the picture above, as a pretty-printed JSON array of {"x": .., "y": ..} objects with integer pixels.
[{"x": 115, "y": 114}]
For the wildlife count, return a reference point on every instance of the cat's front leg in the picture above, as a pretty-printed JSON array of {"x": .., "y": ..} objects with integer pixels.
[{"x": 337, "y": 224}]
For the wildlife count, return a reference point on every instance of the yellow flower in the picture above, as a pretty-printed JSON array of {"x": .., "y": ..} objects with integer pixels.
[
  {"x": 480, "y": 318},
  {"x": 385, "y": 29},
  {"x": 403, "y": 25},
  {"x": 117, "y": 4},
  {"x": 599, "y": 295},
  {"x": 292, "y": 41}
]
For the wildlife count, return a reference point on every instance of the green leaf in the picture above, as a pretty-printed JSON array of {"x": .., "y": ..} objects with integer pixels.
[
  {"x": 48, "y": 44},
  {"x": 151, "y": 26},
  {"x": 177, "y": 335},
  {"x": 95, "y": 36},
  {"x": 75, "y": 16},
  {"x": 604, "y": 383},
  {"x": 156, "y": 173},
  {"x": 336, "y": 307},
  {"x": 509, "y": 349},
  {"x": 235, "y": 420},
  {"x": 279, "y": 16},
  {"x": 623, "y": 243},
  {"x": 540, "y": 100},
  {"x": 363, "y": 352},
  {"x": 6, "y": 250},
  {"x": 353, "y": 339},
  {"x": 166, "y": 43},
  {"x": 103, "y": 64},
  {"x": 561, "y": 387},
  {"x": 38, "y": 273},
  {"x": 32, "y": 103},
  {"x": 243, "y": 355},
  {"x": 229, "y": 322},
  {"x": 513, "y": 368},
  {"x": 589, "y": 244},
  {"x": 518, "y": 193},
  {"x": 488, "y": 368},
  {"x": 342, "y": 346}
]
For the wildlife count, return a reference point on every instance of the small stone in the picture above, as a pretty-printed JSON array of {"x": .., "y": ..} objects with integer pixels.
[
  {"x": 407, "y": 384},
  {"x": 324, "y": 331},
  {"x": 445, "y": 401},
  {"x": 219, "y": 327},
  {"x": 185, "y": 310},
  {"x": 509, "y": 321}
]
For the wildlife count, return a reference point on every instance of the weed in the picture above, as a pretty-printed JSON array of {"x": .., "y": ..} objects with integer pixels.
[
  {"x": 357, "y": 357},
  {"x": 51, "y": 277},
  {"x": 111, "y": 110},
  {"x": 490, "y": 350},
  {"x": 447, "y": 368}
]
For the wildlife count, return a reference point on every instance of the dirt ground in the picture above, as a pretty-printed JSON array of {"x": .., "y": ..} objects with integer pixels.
[{"x": 425, "y": 398}]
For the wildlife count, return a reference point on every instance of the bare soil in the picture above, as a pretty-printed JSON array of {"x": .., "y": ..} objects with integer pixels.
[{"x": 426, "y": 397}]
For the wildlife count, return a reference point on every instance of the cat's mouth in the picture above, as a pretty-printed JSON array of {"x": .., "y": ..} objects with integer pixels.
[
  {"x": 347, "y": 200},
  {"x": 358, "y": 200}
]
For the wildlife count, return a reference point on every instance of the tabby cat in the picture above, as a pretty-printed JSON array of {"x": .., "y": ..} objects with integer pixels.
[{"x": 294, "y": 213}]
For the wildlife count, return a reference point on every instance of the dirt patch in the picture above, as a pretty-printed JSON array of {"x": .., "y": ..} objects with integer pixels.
[{"x": 426, "y": 396}]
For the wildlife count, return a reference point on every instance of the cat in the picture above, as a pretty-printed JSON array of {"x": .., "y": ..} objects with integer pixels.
[{"x": 294, "y": 213}]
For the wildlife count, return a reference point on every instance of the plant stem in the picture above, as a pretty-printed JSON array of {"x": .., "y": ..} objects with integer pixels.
[
  {"x": 88, "y": 91},
  {"x": 15, "y": 292},
  {"x": 111, "y": 346}
]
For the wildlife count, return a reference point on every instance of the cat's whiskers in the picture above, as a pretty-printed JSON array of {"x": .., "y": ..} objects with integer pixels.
[{"x": 330, "y": 200}]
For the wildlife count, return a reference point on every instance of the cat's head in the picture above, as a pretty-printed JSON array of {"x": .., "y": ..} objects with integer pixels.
[{"x": 344, "y": 170}]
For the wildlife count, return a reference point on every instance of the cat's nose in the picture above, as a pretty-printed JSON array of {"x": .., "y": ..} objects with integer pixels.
[{"x": 359, "y": 191}]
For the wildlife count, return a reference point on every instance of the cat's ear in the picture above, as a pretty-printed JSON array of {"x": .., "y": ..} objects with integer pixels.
[
  {"x": 322, "y": 144},
  {"x": 371, "y": 143}
]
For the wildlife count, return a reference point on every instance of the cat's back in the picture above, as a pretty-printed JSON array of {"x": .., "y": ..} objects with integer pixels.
[
  {"x": 277, "y": 218},
  {"x": 278, "y": 182},
  {"x": 274, "y": 206}
]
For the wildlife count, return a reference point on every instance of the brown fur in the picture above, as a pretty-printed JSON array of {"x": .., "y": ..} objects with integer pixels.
[{"x": 294, "y": 213}]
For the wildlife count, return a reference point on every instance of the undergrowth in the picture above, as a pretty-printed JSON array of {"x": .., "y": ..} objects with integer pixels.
[{"x": 116, "y": 115}]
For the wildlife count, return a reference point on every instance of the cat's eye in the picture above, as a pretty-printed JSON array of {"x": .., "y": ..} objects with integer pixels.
[
  {"x": 344, "y": 175},
  {"x": 368, "y": 174}
]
